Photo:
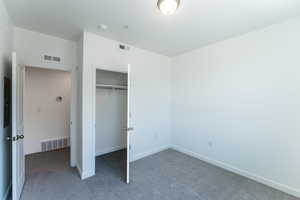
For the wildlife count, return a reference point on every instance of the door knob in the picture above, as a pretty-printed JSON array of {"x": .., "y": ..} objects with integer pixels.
[{"x": 21, "y": 137}]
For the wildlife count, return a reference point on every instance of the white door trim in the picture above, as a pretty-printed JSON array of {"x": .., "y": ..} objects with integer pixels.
[
  {"x": 94, "y": 69},
  {"x": 73, "y": 109}
]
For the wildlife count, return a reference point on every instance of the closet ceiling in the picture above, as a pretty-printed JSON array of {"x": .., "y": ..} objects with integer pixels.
[{"x": 195, "y": 24}]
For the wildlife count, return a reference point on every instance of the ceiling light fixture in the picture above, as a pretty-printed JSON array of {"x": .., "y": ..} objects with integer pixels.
[{"x": 168, "y": 7}]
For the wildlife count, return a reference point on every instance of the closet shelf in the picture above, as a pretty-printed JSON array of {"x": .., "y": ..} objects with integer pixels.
[{"x": 120, "y": 87}]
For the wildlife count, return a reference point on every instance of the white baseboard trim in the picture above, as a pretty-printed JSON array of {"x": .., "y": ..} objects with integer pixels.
[
  {"x": 84, "y": 174},
  {"x": 109, "y": 150},
  {"x": 79, "y": 171},
  {"x": 149, "y": 153},
  {"x": 7, "y": 192},
  {"x": 284, "y": 188},
  {"x": 87, "y": 174}
]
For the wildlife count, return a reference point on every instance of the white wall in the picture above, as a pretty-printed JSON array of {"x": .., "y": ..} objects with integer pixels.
[
  {"x": 6, "y": 39},
  {"x": 150, "y": 96},
  {"x": 236, "y": 103},
  {"x": 79, "y": 69},
  {"x": 44, "y": 117},
  {"x": 31, "y": 46},
  {"x": 111, "y": 113}
]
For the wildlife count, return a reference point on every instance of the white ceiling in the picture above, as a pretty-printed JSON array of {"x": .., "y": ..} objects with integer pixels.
[{"x": 195, "y": 24}]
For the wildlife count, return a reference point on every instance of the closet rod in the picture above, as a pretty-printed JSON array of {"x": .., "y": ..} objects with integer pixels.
[{"x": 121, "y": 87}]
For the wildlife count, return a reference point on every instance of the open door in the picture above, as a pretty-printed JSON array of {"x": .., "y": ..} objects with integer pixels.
[
  {"x": 129, "y": 127},
  {"x": 18, "y": 160}
]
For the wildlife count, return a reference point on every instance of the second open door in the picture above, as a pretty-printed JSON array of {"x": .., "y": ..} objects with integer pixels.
[{"x": 129, "y": 128}]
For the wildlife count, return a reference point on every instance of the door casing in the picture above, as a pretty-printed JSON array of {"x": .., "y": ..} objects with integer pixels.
[{"x": 128, "y": 136}]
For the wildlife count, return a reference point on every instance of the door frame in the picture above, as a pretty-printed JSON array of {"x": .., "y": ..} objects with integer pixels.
[
  {"x": 122, "y": 69},
  {"x": 73, "y": 106}
]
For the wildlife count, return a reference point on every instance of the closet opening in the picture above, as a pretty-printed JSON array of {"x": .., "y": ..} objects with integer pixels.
[{"x": 111, "y": 130}]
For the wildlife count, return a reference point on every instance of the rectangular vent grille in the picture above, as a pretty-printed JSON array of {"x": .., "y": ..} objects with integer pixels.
[
  {"x": 56, "y": 59},
  {"x": 52, "y": 58},
  {"x": 124, "y": 47},
  {"x": 54, "y": 144},
  {"x": 48, "y": 58}
]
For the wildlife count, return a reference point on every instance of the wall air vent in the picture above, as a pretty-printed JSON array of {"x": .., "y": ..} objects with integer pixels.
[
  {"x": 51, "y": 58},
  {"x": 124, "y": 47},
  {"x": 54, "y": 144},
  {"x": 56, "y": 59},
  {"x": 47, "y": 58}
]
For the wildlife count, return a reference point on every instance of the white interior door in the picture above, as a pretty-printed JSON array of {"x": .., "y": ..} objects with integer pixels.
[
  {"x": 18, "y": 159},
  {"x": 129, "y": 127}
]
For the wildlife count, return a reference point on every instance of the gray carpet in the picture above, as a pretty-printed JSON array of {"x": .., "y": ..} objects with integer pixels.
[{"x": 168, "y": 175}]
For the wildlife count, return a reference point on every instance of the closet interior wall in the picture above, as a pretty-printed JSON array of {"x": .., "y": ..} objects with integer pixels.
[{"x": 111, "y": 112}]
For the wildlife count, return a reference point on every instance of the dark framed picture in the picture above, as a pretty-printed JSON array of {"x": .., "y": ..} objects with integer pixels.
[{"x": 7, "y": 102}]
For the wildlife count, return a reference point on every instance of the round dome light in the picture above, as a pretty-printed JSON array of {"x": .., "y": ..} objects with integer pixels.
[{"x": 168, "y": 7}]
